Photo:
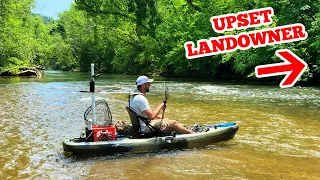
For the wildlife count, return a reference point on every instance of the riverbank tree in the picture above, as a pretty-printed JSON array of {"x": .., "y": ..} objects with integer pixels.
[
  {"x": 28, "y": 40},
  {"x": 147, "y": 36}
]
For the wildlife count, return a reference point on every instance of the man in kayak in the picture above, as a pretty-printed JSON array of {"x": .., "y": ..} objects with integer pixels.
[{"x": 140, "y": 105}]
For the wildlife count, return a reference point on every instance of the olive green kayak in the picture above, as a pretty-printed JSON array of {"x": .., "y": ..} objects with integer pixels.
[{"x": 213, "y": 134}]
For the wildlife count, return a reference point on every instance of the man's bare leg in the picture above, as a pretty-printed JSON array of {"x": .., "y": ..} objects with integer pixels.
[{"x": 181, "y": 129}]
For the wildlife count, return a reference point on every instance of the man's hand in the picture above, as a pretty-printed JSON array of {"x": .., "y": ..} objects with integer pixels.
[{"x": 164, "y": 106}]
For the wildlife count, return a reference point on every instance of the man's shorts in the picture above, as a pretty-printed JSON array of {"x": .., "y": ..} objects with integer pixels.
[{"x": 166, "y": 126}]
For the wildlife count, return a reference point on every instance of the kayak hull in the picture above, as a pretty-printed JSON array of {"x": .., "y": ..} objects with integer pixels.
[{"x": 127, "y": 145}]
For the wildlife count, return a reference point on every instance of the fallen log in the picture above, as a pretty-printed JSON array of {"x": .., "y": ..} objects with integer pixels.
[
  {"x": 23, "y": 72},
  {"x": 30, "y": 72}
]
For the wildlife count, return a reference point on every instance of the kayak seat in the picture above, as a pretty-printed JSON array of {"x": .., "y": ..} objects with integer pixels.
[
  {"x": 136, "y": 126},
  {"x": 134, "y": 121}
]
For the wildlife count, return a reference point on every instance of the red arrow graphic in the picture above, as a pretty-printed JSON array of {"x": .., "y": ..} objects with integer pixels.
[{"x": 293, "y": 67}]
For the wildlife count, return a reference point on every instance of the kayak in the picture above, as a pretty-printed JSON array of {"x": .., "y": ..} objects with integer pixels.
[
  {"x": 121, "y": 144},
  {"x": 102, "y": 136}
]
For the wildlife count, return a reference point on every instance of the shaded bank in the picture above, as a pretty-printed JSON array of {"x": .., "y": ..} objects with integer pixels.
[{"x": 31, "y": 72}]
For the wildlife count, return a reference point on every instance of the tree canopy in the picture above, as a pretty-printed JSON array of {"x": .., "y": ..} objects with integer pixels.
[{"x": 147, "y": 36}]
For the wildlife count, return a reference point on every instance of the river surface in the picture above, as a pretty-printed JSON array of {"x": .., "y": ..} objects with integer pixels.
[{"x": 279, "y": 135}]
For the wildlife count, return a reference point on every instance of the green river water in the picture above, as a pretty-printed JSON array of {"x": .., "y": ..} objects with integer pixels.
[{"x": 279, "y": 135}]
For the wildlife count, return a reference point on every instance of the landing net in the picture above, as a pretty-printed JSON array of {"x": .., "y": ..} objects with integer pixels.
[{"x": 103, "y": 114}]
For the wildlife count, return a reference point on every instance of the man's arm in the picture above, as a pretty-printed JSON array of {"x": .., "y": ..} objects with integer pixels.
[{"x": 154, "y": 114}]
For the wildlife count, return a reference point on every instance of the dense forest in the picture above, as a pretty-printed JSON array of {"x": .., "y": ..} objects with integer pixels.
[{"x": 147, "y": 37}]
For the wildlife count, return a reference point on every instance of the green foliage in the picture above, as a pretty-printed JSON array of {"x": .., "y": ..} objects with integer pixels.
[
  {"x": 15, "y": 34},
  {"x": 147, "y": 36},
  {"x": 28, "y": 40}
]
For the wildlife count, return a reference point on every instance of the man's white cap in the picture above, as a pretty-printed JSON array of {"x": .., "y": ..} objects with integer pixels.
[{"x": 143, "y": 79}]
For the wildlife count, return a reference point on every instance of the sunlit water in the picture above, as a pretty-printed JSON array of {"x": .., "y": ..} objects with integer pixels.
[{"x": 278, "y": 138}]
